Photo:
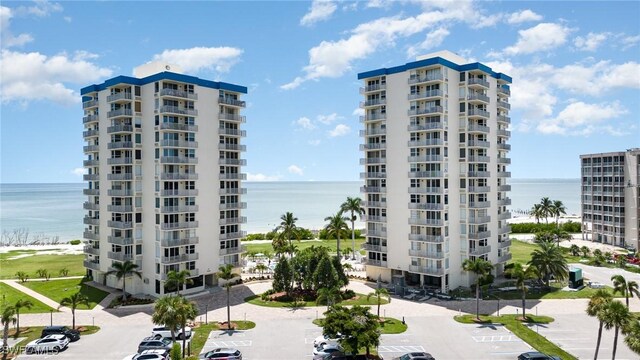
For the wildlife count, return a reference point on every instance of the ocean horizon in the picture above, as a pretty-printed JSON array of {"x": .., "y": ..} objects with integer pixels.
[{"x": 49, "y": 210}]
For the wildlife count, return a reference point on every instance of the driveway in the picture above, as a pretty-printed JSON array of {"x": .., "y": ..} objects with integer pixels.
[{"x": 603, "y": 274}]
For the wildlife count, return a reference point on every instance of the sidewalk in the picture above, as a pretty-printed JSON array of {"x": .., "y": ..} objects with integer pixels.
[{"x": 14, "y": 284}]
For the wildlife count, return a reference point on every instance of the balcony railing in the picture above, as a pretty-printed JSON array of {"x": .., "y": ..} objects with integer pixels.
[
  {"x": 503, "y": 90},
  {"x": 233, "y": 191},
  {"x": 372, "y": 218},
  {"x": 179, "y": 242},
  {"x": 120, "y": 161},
  {"x": 426, "y": 254},
  {"x": 119, "y": 96},
  {"x": 178, "y": 110},
  {"x": 120, "y": 208},
  {"x": 430, "y": 110},
  {"x": 91, "y": 148},
  {"x": 425, "y": 142},
  {"x": 120, "y": 145},
  {"x": 504, "y": 119},
  {"x": 478, "y": 112},
  {"x": 119, "y": 240},
  {"x": 89, "y": 104},
  {"x": 374, "y": 87},
  {"x": 371, "y": 247},
  {"x": 90, "y": 133},
  {"x": 478, "y": 143},
  {"x": 192, "y": 273},
  {"x": 232, "y": 132},
  {"x": 92, "y": 162},
  {"x": 178, "y": 127},
  {"x": 479, "y": 220},
  {"x": 425, "y": 94},
  {"x": 376, "y": 233},
  {"x": 91, "y": 221},
  {"x": 478, "y": 128},
  {"x": 480, "y": 250},
  {"x": 478, "y": 81},
  {"x": 373, "y": 160},
  {"x": 232, "y": 117},
  {"x": 504, "y": 244},
  {"x": 505, "y": 201},
  {"x": 502, "y": 146},
  {"x": 504, "y": 258},
  {"x": 504, "y": 104},
  {"x": 505, "y": 133},
  {"x": 233, "y": 147},
  {"x": 425, "y": 174},
  {"x": 90, "y": 264},
  {"x": 425, "y": 206},
  {"x": 479, "y": 235},
  {"x": 119, "y": 128},
  {"x": 425, "y": 78},
  {"x": 373, "y": 132},
  {"x": 91, "y": 191},
  {"x": 179, "y": 209},
  {"x": 88, "y": 249},
  {"x": 232, "y": 206},
  {"x": 504, "y": 230},
  {"x": 90, "y": 235},
  {"x": 120, "y": 177},
  {"x": 372, "y": 262},
  {"x": 479, "y": 204},
  {"x": 178, "y": 94},
  {"x": 473, "y": 96},
  {"x": 479, "y": 174},
  {"x": 504, "y": 174},
  {"x": 426, "y": 222},
  {"x": 504, "y": 160},
  {"x": 373, "y": 117},
  {"x": 229, "y": 161},
  {"x": 91, "y": 177},
  {"x": 179, "y": 225},
  {"x": 504, "y": 188},
  {"x": 373, "y": 102},
  {"x": 179, "y": 192},
  {"x": 478, "y": 159},
  {"x": 120, "y": 112},
  {"x": 234, "y": 235},
  {"x": 426, "y": 270},
  {"x": 180, "y": 258},
  {"x": 374, "y": 204},
  {"x": 425, "y": 190},
  {"x": 235, "y": 220},
  {"x": 90, "y": 206},
  {"x": 120, "y": 224},
  {"x": 89, "y": 119},
  {"x": 425, "y": 158},
  {"x": 233, "y": 176},
  {"x": 120, "y": 256},
  {"x": 178, "y": 176},
  {"x": 479, "y": 189},
  {"x": 120, "y": 192},
  {"x": 373, "y": 175},
  {"x": 373, "y": 189},
  {"x": 179, "y": 143},
  {"x": 231, "y": 101},
  {"x": 178, "y": 160},
  {"x": 233, "y": 250}
]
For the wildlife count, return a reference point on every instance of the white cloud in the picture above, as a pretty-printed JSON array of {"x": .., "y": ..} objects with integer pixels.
[
  {"x": 262, "y": 177},
  {"x": 433, "y": 39},
  {"x": 78, "y": 171},
  {"x": 542, "y": 37},
  {"x": 34, "y": 76},
  {"x": 579, "y": 118},
  {"x": 41, "y": 8},
  {"x": 7, "y": 38},
  {"x": 68, "y": 19},
  {"x": 487, "y": 20},
  {"x": 328, "y": 119},
  {"x": 523, "y": 16},
  {"x": 221, "y": 59},
  {"x": 320, "y": 10},
  {"x": 314, "y": 142},
  {"x": 378, "y": 3},
  {"x": 594, "y": 79},
  {"x": 293, "y": 169},
  {"x": 358, "y": 112},
  {"x": 590, "y": 42},
  {"x": 305, "y": 123},
  {"x": 340, "y": 130},
  {"x": 629, "y": 41}
]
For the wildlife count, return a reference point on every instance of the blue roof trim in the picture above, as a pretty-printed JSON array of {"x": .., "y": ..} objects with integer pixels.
[
  {"x": 434, "y": 61},
  {"x": 166, "y": 75}
]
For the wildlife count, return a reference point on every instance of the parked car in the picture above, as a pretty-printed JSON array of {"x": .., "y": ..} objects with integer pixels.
[
  {"x": 71, "y": 334},
  {"x": 165, "y": 332},
  {"x": 154, "y": 343},
  {"x": 53, "y": 342},
  {"x": 151, "y": 354},
  {"x": 327, "y": 349},
  {"x": 415, "y": 356},
  {"x": 534, "y": 355},
  {"x": 322, "y": 339},
  {"x": 353, "y": 357},
  {"x": 223, "y": 354}
]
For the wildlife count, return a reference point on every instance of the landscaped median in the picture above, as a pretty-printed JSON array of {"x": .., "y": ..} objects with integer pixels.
[
  {"x": 57, "y": 290},
  {"x": 388, "y": 325},
  {"x": 202, "y": 331},
  {"x": 358, "y": 299},
  {"x": 516, "y": 325}
]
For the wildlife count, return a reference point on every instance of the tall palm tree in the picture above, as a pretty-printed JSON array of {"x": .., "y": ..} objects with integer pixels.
[
  {"x": 549, "y": 261},
  {"x": 165, "y": 312},
  {"x": 262, "y": 268},
  {"x": 72, "y": 302},
  {"x": 225, "y": 272},
  {"x": 624, "y": 287},
  {"x": 615, "y": 315},
  {"x": 546, "y": 207},
  {"x": 7, "y": 317},
  {"x": 186, "y": 311},
  {"x": 354, "y": 206},
  {"x": 329, "y": 294},
  {"x": 122, "y": 270},
  {"x": 632, "y": 338},
  {"x": 536, "y": 212},
  {"x": 380, "y": 294},
  {"x": 337, "y": 226},
  {"x": 21, "y": 303},
  {"x": 575, "y": 250},
  {"x": 288, "y": 229},
  {"x": 481, "y": 268},
  {"x": 177, "y": 279},
  {"x": 597, "y": 303},
  {"x": 521, "y": 275},
  {"x": 558, "y": 210}
]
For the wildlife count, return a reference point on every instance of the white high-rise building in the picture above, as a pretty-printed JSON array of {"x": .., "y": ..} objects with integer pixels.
[
  {"x": 164, "y": 177},
  {"x": 610, "y": 198},
  {"x": 435, "y": 157}
]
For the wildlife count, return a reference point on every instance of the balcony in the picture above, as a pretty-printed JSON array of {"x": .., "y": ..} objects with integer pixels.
[
  {"x": 178, "y": 209},
  {"x": 479, "y": 220},
  {"x": 90, "y": 206},
  {"x": 235, "y": 220},
  {"x": 232, "y": 102},
  {"x": 373, "y": 117},
  {"x": 232, "y": 117},
  {"x": 479, "y": 174},
  {"x": 120, "y": 145},
  {"x": 179, "y": 258},
  {"x": 479, "y": 235},
  {"x": 425, "y": 190},
  {"x": 373, "y": 146},
  {"x": 373, "y": 175},
  {"x": 233, "y": 176},
  {"x": 233, "y": 206},
  {"x": 179, "y": 144},
  {"x": 480, "y": 250},
  {"x": 376, "y": 233},
  {"x": 427, "y": 254},
  {"x": 426, "y": 142},
  {"x": 192, "y": 273},
  {"x": 120, "y": 161},
  {"x": 504, "y": 91},
  {"x": 90, "y": 235},
  {"x": 179, "y": 225},
  {"x": 472, "y": 82},
  {"x": 425, "y": 206},
  {"x": 504, "y": 160},
  {"x": 120, "y": 192},
  {"x": 374, "y": 87},
  {"x": 426, "y": 222},
  {"x": 373, "y": 132},
  {"x": 478, "y": 113},
  {"x": 426, "y": 270},
  {"x": 179, "y": 192},
  {"x": 426, "y": 127},
  {"x": 120, "y": 208},
  {"x": 372, "y": 247},
  {"x": 380, "y": 263},
  {"x": 425, "y": 78},
  {"x": 233, "y": 191},
  {"x": 88, "y": 249},
  {"x": 178, "y": 94},
  {"x": 89, "y": 119},
  {"x": 425, "y": 158},
  {"x": 178, "y": 127},
  {"x": 479, "y": 204},
  {"x": 233, "y": 250},
  {"x": 119, "y": 112},
  {"x": 90, "y": 133},
  {"x": 504, "y": 230},
  {"x": 504, "y": 119},
  {"x": 232, "y": 132},
  {"x": 504, "y": 174},
  {"x": 478, "y": 159},
  {"x": 479, "y": 189},
  {"x": 119, "y": 256},
  {"x": 502, "y": 146},
  {"x": 504, "y": 188},
  {"x": 90, "y": 148},
  {"x": 504, "y": 202},
  {"x": 120, "y": 224},
  {"x": 374, "y": 204},
  {"x": 504, "y": 258},
  {"x": 91, "y": 264},
  {"x": 120, "y": 176},
  {"x": 505, "y": 133},
  {"x": 119, "y": 96},
  {"x": 472, "y": 128},
  {"x": 231, "y": 161},
  {"x": 478, "y": 143},
  {"x": 91, "y": 191},
  {"x": 234, "y": 235},
  {"x": 179, "y": 242},
  {"x": 92, "y": 162},
  {"x": 504, "y": 244},
  {"x": 91, "y": 221},
  {"x": 90, "y": 104},
  {"x": 178, "y": 160},
  {"x": 477, "y": 97},
  {"x": 371, "y": 218},
  {"x": 373, "y": 189},
  {"x": 91, "y": 177},
  {"x": 425, "y": 95},
  {"x": 232, "y": 147},
  {"x": 119, "y": 240},
  {"x": 373, "y": 160},
  {"x": 431, "y": 110},
  {"x": 178, "y": 110},
  {"x": 373, "y": 102},
  {"x": 504, "y": 105},
  {"x": 178, "y": 176},
  {"x": 119, "y": 129},
  {"x": 425, "y": 174}
]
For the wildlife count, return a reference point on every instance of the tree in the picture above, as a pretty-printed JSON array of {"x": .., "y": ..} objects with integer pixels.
[
  {"x": 288, "y": 229},
  {"x": 358, "y": 328},
  {"x": 325, "y": 275},
  {"x": 597, "y": 303},
  {"x": 379, "y": 294},
  {"x": 575, "y": 250},
  {"x": 546, "y": 207},
  {"x": 626, "y": 288},
  {"x": 615, "y": 315},
  {"x": 354, "y": 206},
  {"x": 481, "y": 268},
  {"x": 72, "y": 302},
  {"x": 632, "y": 338},
  {"x": 282, "y": 275},
  {"x": 559, "y": 235},
  {"x": 548, "y": 261},
  {"x": 21, "y": 303},
  {"x": 262, "y": 268},
  {"x": 64, "y": 272},
  {"x": 621, "y": 261},
  {"x": 585, "y": 251},
  {"x": 43, "y": 273},
  {"x": 536, "y": 212},
  {"x": 336, "y": 227},
  {"x": 177, "y": 279},
  {"x": 330, "y": 295},
  {"x": 558, "y": 209},
  {"x": 521, "y": 275},
  {"x": 7, "y": 317},
  {"x": 23, "y": 276},
  {"x": 165, "y": 313},
  {"x": 122, "y": 270},
  {"x": 225, "y": 272},
  {"x": 186, "y": 311}
]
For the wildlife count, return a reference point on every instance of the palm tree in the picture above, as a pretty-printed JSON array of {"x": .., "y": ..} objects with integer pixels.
[
  {"x": 536, "y": 212},
  {"x": 288, "y": 229},
  {"x": 481, "y": 268},
  {"x": 632, "y": 338},
  {"x": 21, "y": 303},
  {"x": 122, "y": 270},
  {"x": 521, "y": 275},
  {"x": 225, "y": 272},
  {"x": 177, "y": 279},
  {"x": 354, "y": 206},
  {"x": 585, "y": 251},
  {"x": 615, "y": 315},
  {"x": 330, "y": 295},
  {"x": 72, "y": 302},
  {"x": 379, "y": 294},
  {"x": 546, "y": 207},
  {"x": 165, "y": 312},
  {"x": 624, "y": 287},
  {"x": 548, "y": 260},
  {"x": 558, "y": 210},
  {"x": 186, "y": 311},
  {"x": 262, "y": 268},
  {"x": 597, "y": 303},
  {"x": 7, "y": 317},
  {"x": 575, "y": 250},
  {"x": 337, "y": 226}
]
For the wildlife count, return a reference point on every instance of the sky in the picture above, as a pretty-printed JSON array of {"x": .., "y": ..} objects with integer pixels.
[{"x": 575, "y": 69}]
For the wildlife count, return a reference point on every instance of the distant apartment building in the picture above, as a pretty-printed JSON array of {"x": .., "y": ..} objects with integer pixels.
[
  {"x": 164, "y": 181},
  {"x": 610, "y": 197},
  {"x": 435, "y": 159}
]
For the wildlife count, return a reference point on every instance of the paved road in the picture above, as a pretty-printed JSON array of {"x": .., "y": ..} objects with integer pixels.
[{"x": 603, "y": 275}]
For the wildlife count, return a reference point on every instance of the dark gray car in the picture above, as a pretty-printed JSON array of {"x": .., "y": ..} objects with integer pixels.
[
  {"x": 534, "y": 355},
  {"x": 153, "y": 343}
]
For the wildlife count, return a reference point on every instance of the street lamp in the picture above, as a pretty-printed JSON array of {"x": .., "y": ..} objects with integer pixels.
[
  {"x": 51, "y": 317},
  {"x": 206, "y": 315}
]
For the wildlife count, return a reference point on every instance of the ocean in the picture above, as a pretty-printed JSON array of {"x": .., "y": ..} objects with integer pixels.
[{"x": 55, "y": 210}]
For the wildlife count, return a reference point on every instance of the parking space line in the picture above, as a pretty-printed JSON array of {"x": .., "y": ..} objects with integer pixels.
[
  {"x": 400, "y": 348},
  {"x": 496, "y": 338},
  {"x": 218, "y": 344}
]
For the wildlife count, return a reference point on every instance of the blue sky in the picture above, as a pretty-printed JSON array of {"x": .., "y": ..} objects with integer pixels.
[{"x": 574, "y": 66}]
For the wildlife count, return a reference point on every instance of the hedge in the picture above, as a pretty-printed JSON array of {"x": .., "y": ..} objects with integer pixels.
[{"x": 532, "y": 228}]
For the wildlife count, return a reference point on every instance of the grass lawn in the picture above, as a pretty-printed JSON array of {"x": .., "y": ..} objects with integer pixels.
[
  {"x": 361, "y": 299},
  {"x": 56, "y": 290},
  {"x": 556, "y": 292},
  {"x": 30, "y": 264},
  {"x": 519, "y": 328},
  {"x": 389, "y": 326},
  {"x": 11, "y": 296},
  {"x": 202, "y": 333},
  {"x": 331, "y": 244}
]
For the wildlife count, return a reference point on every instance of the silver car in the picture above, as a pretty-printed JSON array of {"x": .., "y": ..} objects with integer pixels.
[{"x": 54, "y": 343}]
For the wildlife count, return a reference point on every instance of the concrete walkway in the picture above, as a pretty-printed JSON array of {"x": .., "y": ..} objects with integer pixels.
[{"x": 16, "y": 285}]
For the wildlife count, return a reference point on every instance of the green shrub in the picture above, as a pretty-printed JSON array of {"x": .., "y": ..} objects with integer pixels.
[
  {"x": 75, "y": 242},
  {"x": 532, "y": 228},
  {"x": 251, "y": 237},
  {"x": 176, "y": 352},
  {"x": 348, "y": 294}
]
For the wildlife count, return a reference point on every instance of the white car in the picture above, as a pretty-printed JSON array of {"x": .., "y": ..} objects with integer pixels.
[
  {"x": 165, "y": 332},
  {"x": 327, "y": 349},
  {"x": 151, "y": 354},
  {"x": 54, "y": 342},
  {"x": 323, "y": 340}
]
